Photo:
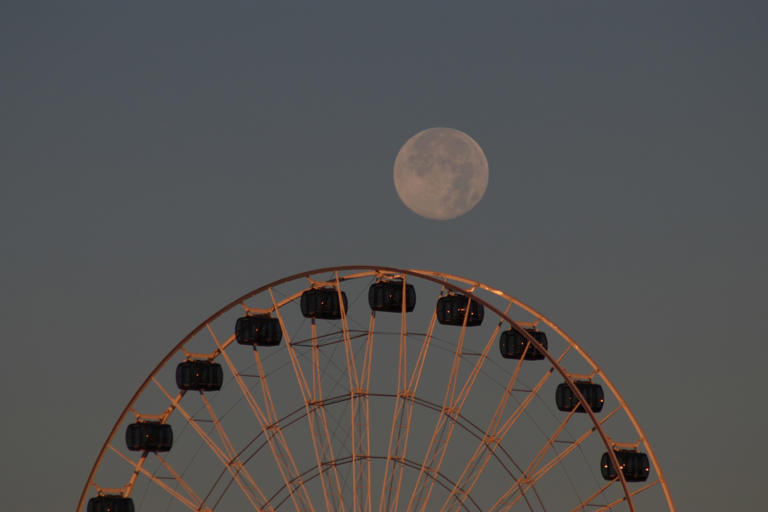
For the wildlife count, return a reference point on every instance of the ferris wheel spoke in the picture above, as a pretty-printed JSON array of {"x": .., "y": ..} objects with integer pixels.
[
  {"x": 535, "y": 477},
  {"x": 158, "y": 481},
  {"x": 274, "y": 421},
  {"x": 184, "y": 485},
  {"x": 498, "y": 413},
  {"x": 548, "y": 445},
  {"x": 587, "y": 502},
  {"x": 315, "y": 412},
  {"x": 230, "y": 461},
  {"x": 401, "y": 417},
  {"x": 358, "y": 415},
  {"x": 620, "y": 500},
  {"x": 356, "y": 393},
  {"x": 409, "y": 403},
  {"x": 367, "y": 366},
  {"x": 398, "y": 415},
  {"x": 452, "y": 407},
  {"x": 482, "y": 456},
  {"x": 512, "y": 419},
  {"x": 495, "y": 434},
  {"x": 136, "y": 472},
  {"x": 317, "y": 381},
  {"x": 230, "y": 449},
  {"x": 234, "y": 459},
  {"x": 273, "y": 434},
  {"x": 462, "y": 398},
  {"x": 529, "y": 478},
  {"x": 348, "y": 351},
  {"x": 361, "y": 448}
]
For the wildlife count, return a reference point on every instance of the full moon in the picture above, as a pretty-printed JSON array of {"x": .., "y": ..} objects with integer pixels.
[{"x": 441, "y": 173}]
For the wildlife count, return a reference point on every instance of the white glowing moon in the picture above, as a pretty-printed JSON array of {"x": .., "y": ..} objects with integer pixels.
[{"x": 441, "y": 173}]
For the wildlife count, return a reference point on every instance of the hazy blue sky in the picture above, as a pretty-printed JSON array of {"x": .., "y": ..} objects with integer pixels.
[{"x": 159, "y": 159}]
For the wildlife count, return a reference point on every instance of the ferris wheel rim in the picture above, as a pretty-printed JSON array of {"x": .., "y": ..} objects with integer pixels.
[{"x": 442, "y": 279}]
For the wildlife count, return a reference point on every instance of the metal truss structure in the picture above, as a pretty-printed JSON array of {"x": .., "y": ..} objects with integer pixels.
[{"x": 378, "y": 411}]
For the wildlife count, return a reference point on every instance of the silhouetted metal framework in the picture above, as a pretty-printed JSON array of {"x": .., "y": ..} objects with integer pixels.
[{"x": 342, "y": 476}]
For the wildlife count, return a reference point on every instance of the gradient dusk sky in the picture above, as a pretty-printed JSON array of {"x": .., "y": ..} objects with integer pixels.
[{"x": 159, "y": 159}]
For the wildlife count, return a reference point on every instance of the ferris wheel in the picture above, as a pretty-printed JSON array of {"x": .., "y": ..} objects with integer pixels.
[{"x": 375, "y": 389}]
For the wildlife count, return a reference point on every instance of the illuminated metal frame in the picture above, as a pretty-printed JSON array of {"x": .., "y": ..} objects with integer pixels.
[{"x": 359, "y": 380}]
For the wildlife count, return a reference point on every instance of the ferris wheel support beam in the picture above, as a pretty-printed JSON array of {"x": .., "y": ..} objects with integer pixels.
[
  {"x": 175, "y": 494},
  {"x": 357, "y": 414},
  {"x": 594, "y": 495},
  {"x": 218, "y": 452},
  {"x": 452, "y": 406},
  {"x": 548, "y": 445},
  {"x": 571, "y": 447},
  {"x": 316, "y": 418},
  {"x": 287, "y": 456},
  {"x": 366, "y": 379},
  {"x": 402, "y": 416},
  {"x": 528, "y": 480},
  {"x": 420, "y": 493},
  {"x": 280, "y": 451},
  {"x": 184, "y": 485},
  {"x": 494, "y": 436},
  {"x": 226, "y": 441},
  {"x": 622, "y": 499},
  {"x": 234, "y": 457}
]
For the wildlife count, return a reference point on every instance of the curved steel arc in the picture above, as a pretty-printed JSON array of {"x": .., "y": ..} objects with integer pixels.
[
  {"x": 441, "y": 279},
  {"x": 404, "y": 461}
]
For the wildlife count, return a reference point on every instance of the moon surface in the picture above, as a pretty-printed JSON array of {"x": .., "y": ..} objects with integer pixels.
[{"x": 441, "y": 173}]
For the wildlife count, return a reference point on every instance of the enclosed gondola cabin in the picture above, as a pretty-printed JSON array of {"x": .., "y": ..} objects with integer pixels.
[
  {"x": 110, "y": 503},
  {"x": 199, "y": 376},
  {"x": 452, "y": 309},
  {"x": 388, "y": 296},
  {"x": 151, "y": 436},
  {"x": 512, "y": 345},
  {"x": 567, "y": 400},
  {"x": 634, "y": 465},
  {"x": 261, "y": 330},
  {"x": 323, "y": 303}
]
